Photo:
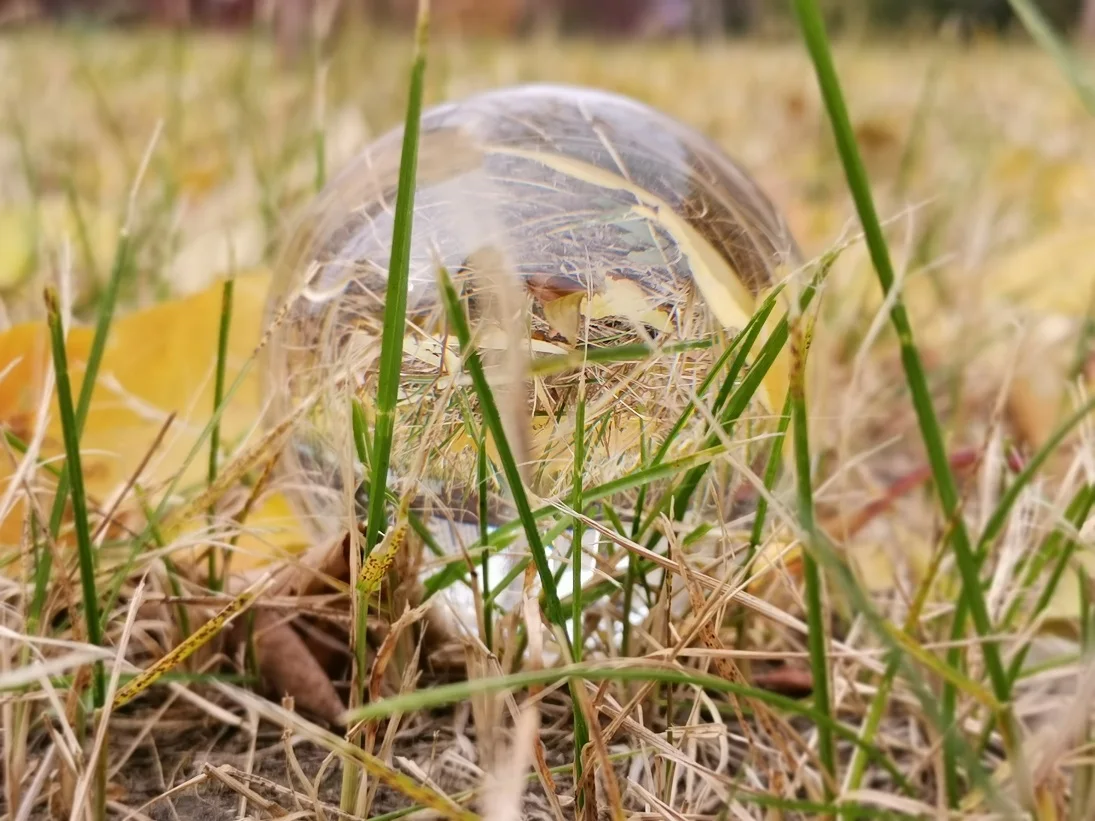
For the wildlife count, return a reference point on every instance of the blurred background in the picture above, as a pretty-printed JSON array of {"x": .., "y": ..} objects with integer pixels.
[{"x": 623, "y": 18}]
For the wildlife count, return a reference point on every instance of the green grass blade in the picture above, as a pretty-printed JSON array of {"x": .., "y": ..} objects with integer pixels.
[
  {"x": 1057, "y": 544},
  {"x": 173, "y": 574},
  {"x": 739, "y": 348},
  {"x": 1063, "y": 547},
  {"x": 395, "y": 296},
  {"x": 813, "y": 30},
  {"x": 771, "y": 471},
  {"x": 70, "y": 432},
  {"x": 581, "y": 730},
  {"x": 484, "y": 535},
  {"x": 168, "y": 493},
  {"x": 577, "y": 528},
  {"x": 995, "y": 525},
  {"x": 456, "y": 569},
  {"x": 735, "y": 403},
  {"x": 218, "y": 398},
  {"x": 435, "y": 697},
  {"x": 1042, "y": 31},
  {"x": 492, "y": 419},
  {"x": 632, "y": 352},
  {"x": 858, "y": 765},
  {"x": 901, "y": 646},
  {"x": 817, "y": 638},
  {"x": 658, "y": 469},
  {"x": 390, "y": 368},
  {"x": 361, "y": 432},
  {"x": 104, "y": 317},
  {"x": 19, "y": 445},
  {"x": 554, "y": 532}
]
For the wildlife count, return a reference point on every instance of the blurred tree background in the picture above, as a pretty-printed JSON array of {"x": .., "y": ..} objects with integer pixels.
[{"x": 603, "y": 17}]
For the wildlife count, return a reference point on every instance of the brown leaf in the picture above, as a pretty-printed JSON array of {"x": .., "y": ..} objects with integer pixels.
[
  {"x": 788, "y": 681},
  {"x": 288, "y": 667}
]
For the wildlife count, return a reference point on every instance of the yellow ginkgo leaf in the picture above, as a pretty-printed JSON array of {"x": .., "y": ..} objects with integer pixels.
[{"x": 157, "y": 361}]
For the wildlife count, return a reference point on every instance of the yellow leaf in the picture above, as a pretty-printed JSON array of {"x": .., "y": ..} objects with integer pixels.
[
  {"x": 564, "y": 314},
  {"x": 1054, "y": 273},
  {"x": 1050, "y": 283},
  {"x": 157, "y": 361},
  {"x": 623, "y": 297}
]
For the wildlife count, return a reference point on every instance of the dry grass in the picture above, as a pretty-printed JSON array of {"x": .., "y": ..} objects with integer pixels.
[{"x": 984, "y": 166}]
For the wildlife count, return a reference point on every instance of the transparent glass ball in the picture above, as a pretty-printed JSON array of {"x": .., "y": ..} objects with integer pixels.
[{"x": 575, "y": 225}]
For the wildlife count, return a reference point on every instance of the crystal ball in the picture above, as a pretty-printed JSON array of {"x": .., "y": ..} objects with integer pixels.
[{"x": 576, "y": 225}]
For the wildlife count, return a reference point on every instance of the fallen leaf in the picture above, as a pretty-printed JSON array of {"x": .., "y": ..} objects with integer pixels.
[
  {"x": 1049, "y": 283},
  {"x": 1052, "y": 274},
  {"x": 564, "y": 314},
  {"x": 288, "y": 667},
  {"x": 792, "y": 682},
  {"x": 157, "y": 361}
]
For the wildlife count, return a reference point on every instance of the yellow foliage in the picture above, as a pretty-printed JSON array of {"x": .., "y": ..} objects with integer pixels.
[
  {"x": 1052, "y": 274},
  {"x": 157, "y": 361}
]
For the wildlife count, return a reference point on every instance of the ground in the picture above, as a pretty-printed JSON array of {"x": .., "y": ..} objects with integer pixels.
[{"x": 982, "y": 162}]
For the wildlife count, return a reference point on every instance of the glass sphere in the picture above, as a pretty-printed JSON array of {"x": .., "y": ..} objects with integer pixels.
[{"x": 574, "y": 223}]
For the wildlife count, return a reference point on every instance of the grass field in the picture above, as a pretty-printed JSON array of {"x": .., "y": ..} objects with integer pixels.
[{"x": 847, "y": 679}]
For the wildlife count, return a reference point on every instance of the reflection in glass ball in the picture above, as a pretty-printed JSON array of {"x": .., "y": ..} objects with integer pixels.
[{"x": 573, "y": 222}]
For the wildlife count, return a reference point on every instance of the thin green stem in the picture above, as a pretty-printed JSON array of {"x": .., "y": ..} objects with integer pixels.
[
  {"x": 577, "y": 530},
  {"x": 70, "y": 432},
  {"x": 771, "y": 472},
  {"x": 395, "y": 297},
  {"x": 218, "y": 397},
  {"x": 581, "y": 731},
  {"x": 484, "y": 535},
  {"x": 390, "y": 370},
  {"x": 817, "y": 637},
  {"x": 492, "y": 419},
  {"x": 104, "y": 318},
  {"x": 817, "y": 43},
  {"x": 1042, "y": 31}
]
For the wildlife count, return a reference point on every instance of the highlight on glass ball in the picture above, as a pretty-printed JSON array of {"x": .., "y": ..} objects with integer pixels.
[{"x": 579, "y": 228}]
